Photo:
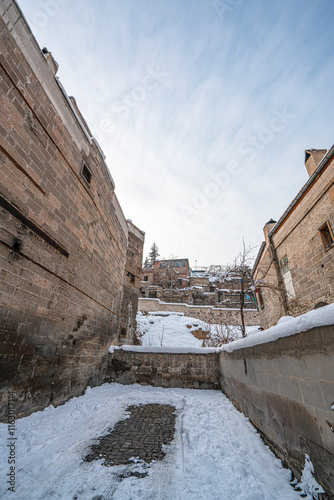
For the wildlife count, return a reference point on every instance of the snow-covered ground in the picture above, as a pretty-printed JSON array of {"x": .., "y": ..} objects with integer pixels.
[
  {"x": 216, "y": 452},
  {"x": 174, "y": 329}
]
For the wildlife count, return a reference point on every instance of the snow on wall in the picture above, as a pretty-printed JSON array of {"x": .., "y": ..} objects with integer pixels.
[{"x": 319, "y": 317}]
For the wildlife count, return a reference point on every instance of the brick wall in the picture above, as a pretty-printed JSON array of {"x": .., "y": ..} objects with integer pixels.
[
  {"x": 192, "y": 371},
  {"x": 205, "y": 313},
  {"x": 286, "y": 389},
  {"x": 63, "y": 239}
]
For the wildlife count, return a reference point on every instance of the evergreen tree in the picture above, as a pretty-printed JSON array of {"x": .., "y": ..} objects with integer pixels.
[
  {"x": 153, "y": 255},
  {"x": 146, "y": 263}
]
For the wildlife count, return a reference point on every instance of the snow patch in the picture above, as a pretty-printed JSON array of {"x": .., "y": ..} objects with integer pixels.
[
  {"x": 318, "y": 317},
  {"x": 308, "y": 484}
]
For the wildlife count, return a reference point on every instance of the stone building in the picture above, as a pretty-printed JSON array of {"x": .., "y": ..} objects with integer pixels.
[
  {"x": 131, "y": 284},
  {"x": 64, "y": 241},
  {"x": 296, "y": 259},
  {"x": 197, "y": 287}
]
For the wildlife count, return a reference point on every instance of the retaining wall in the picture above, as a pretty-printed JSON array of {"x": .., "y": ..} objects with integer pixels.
[
  {"x": 192, "y": 371},
  {"x": 286, "y": 388},
  {"x": 209, "y": 314}
]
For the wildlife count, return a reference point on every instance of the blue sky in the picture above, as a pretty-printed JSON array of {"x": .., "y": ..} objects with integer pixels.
[{"x": 203, "y": 107}]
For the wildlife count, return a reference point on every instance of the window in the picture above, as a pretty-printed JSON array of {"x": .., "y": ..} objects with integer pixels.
[
  {"x": 86, "y": 174},
  {"x": 122, "y": 332},
  {"x": 326, "y": 235},
  {"x": 145, "y": 278},
  {"x": 152, "y": 294}
]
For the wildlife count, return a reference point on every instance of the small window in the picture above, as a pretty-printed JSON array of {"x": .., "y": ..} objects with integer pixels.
[
  {"x": 152, "y": 294},
  {"x": 86, "y": 174},
  {"x": 326, "y": 235},
  {"x": 145, "y": 278},
  {"x": 122, "y": 332}
]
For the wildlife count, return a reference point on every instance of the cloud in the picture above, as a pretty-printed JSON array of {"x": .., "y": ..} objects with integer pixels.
[{"x": 218, "y": 83}]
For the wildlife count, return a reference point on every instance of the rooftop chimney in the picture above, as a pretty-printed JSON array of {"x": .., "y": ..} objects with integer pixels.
[
  {"x": 312, "y": 159},
  {"x": 267, "y": 228}
]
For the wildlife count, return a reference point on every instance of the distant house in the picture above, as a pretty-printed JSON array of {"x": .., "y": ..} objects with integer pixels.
[
  {"x": 173, "y": 281},
  {"x": 296, "y": 260}
]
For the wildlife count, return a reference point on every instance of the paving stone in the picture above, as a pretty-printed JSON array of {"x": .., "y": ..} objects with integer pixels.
[{"x": 141, "y": 435}]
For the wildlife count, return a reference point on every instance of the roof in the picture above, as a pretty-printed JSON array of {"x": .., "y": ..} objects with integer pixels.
[{"x": 318, "y": 171}]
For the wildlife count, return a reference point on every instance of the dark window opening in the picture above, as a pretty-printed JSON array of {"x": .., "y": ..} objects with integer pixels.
[
  {"x": 152, "y": 295},
  {"x": 17, "y": 245},
  {"x": 86, "y": 173},
  {"x": 123, "y": 332},
  {"x": 326, "y": 235},
  {"x": 145, "y": 278},
  {"x": 320, "y": 304}
]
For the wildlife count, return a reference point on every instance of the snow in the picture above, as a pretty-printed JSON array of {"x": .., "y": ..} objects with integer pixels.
[
  {"x": 307, "y": 482},
  {"x": 197, "y": 306},
  {"x": 163, "y": 349},
  {"x": 169, "y": 330},
  {"x": 318, "y": 317},
  {"x": 216, "y": 453},
  {"x": 174, "y": 330},
  {"x": 284, "y": 319}
]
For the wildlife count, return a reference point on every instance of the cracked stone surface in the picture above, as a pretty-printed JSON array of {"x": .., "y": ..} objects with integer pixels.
[{"x": 139, "y": 437}]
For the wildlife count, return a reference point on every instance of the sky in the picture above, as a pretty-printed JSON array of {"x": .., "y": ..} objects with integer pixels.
[{"x": 203, "y": 108}]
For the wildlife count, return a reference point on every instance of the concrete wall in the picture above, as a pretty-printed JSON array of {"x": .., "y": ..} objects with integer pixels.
[
  {"x": 192, "y": 371},
  {"x": 63, "y": 238},
  {"x": 286, "y": 388},
  {"x": 204, "y": 313}
]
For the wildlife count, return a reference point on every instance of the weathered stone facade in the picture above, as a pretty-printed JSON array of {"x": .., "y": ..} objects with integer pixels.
[
  {"x": 63, "y": 236},
  {"x": 286, "y": 389},
  {"x": 208, "y": 314},
  {"x": 202, "y": 288},
  {"x": 297, "y": 257},
  {"x": 192, "y": 371},
  {"x": 131, "y": 284}
]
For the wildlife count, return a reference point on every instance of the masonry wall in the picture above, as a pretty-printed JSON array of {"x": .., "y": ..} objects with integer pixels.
[
  {"x": 131, "y": 284},
  {"x": 205, "y": 313},
  {"x": 192, "y": 371},
  {"x": 62, "y": 239},
  {"x": 311, "y": 266},
  {"x": 286, "y": 388}
]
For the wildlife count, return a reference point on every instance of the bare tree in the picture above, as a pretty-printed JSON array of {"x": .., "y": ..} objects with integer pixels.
[{"x": 241, "y": 269}]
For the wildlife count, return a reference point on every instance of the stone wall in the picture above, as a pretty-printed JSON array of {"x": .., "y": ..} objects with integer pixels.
[
  {"x": 131, "y": 284},
  {"x": 205, "y": 313},
  {"x": 63, "y": 235},
  {"x": 286, "y": 388},
  {"x": 192, "y": 371},
  {"x": 311, "y": 265}
]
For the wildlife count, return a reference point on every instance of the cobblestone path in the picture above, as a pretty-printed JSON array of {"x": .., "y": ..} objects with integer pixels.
[{"x": 140, "y": 436}]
